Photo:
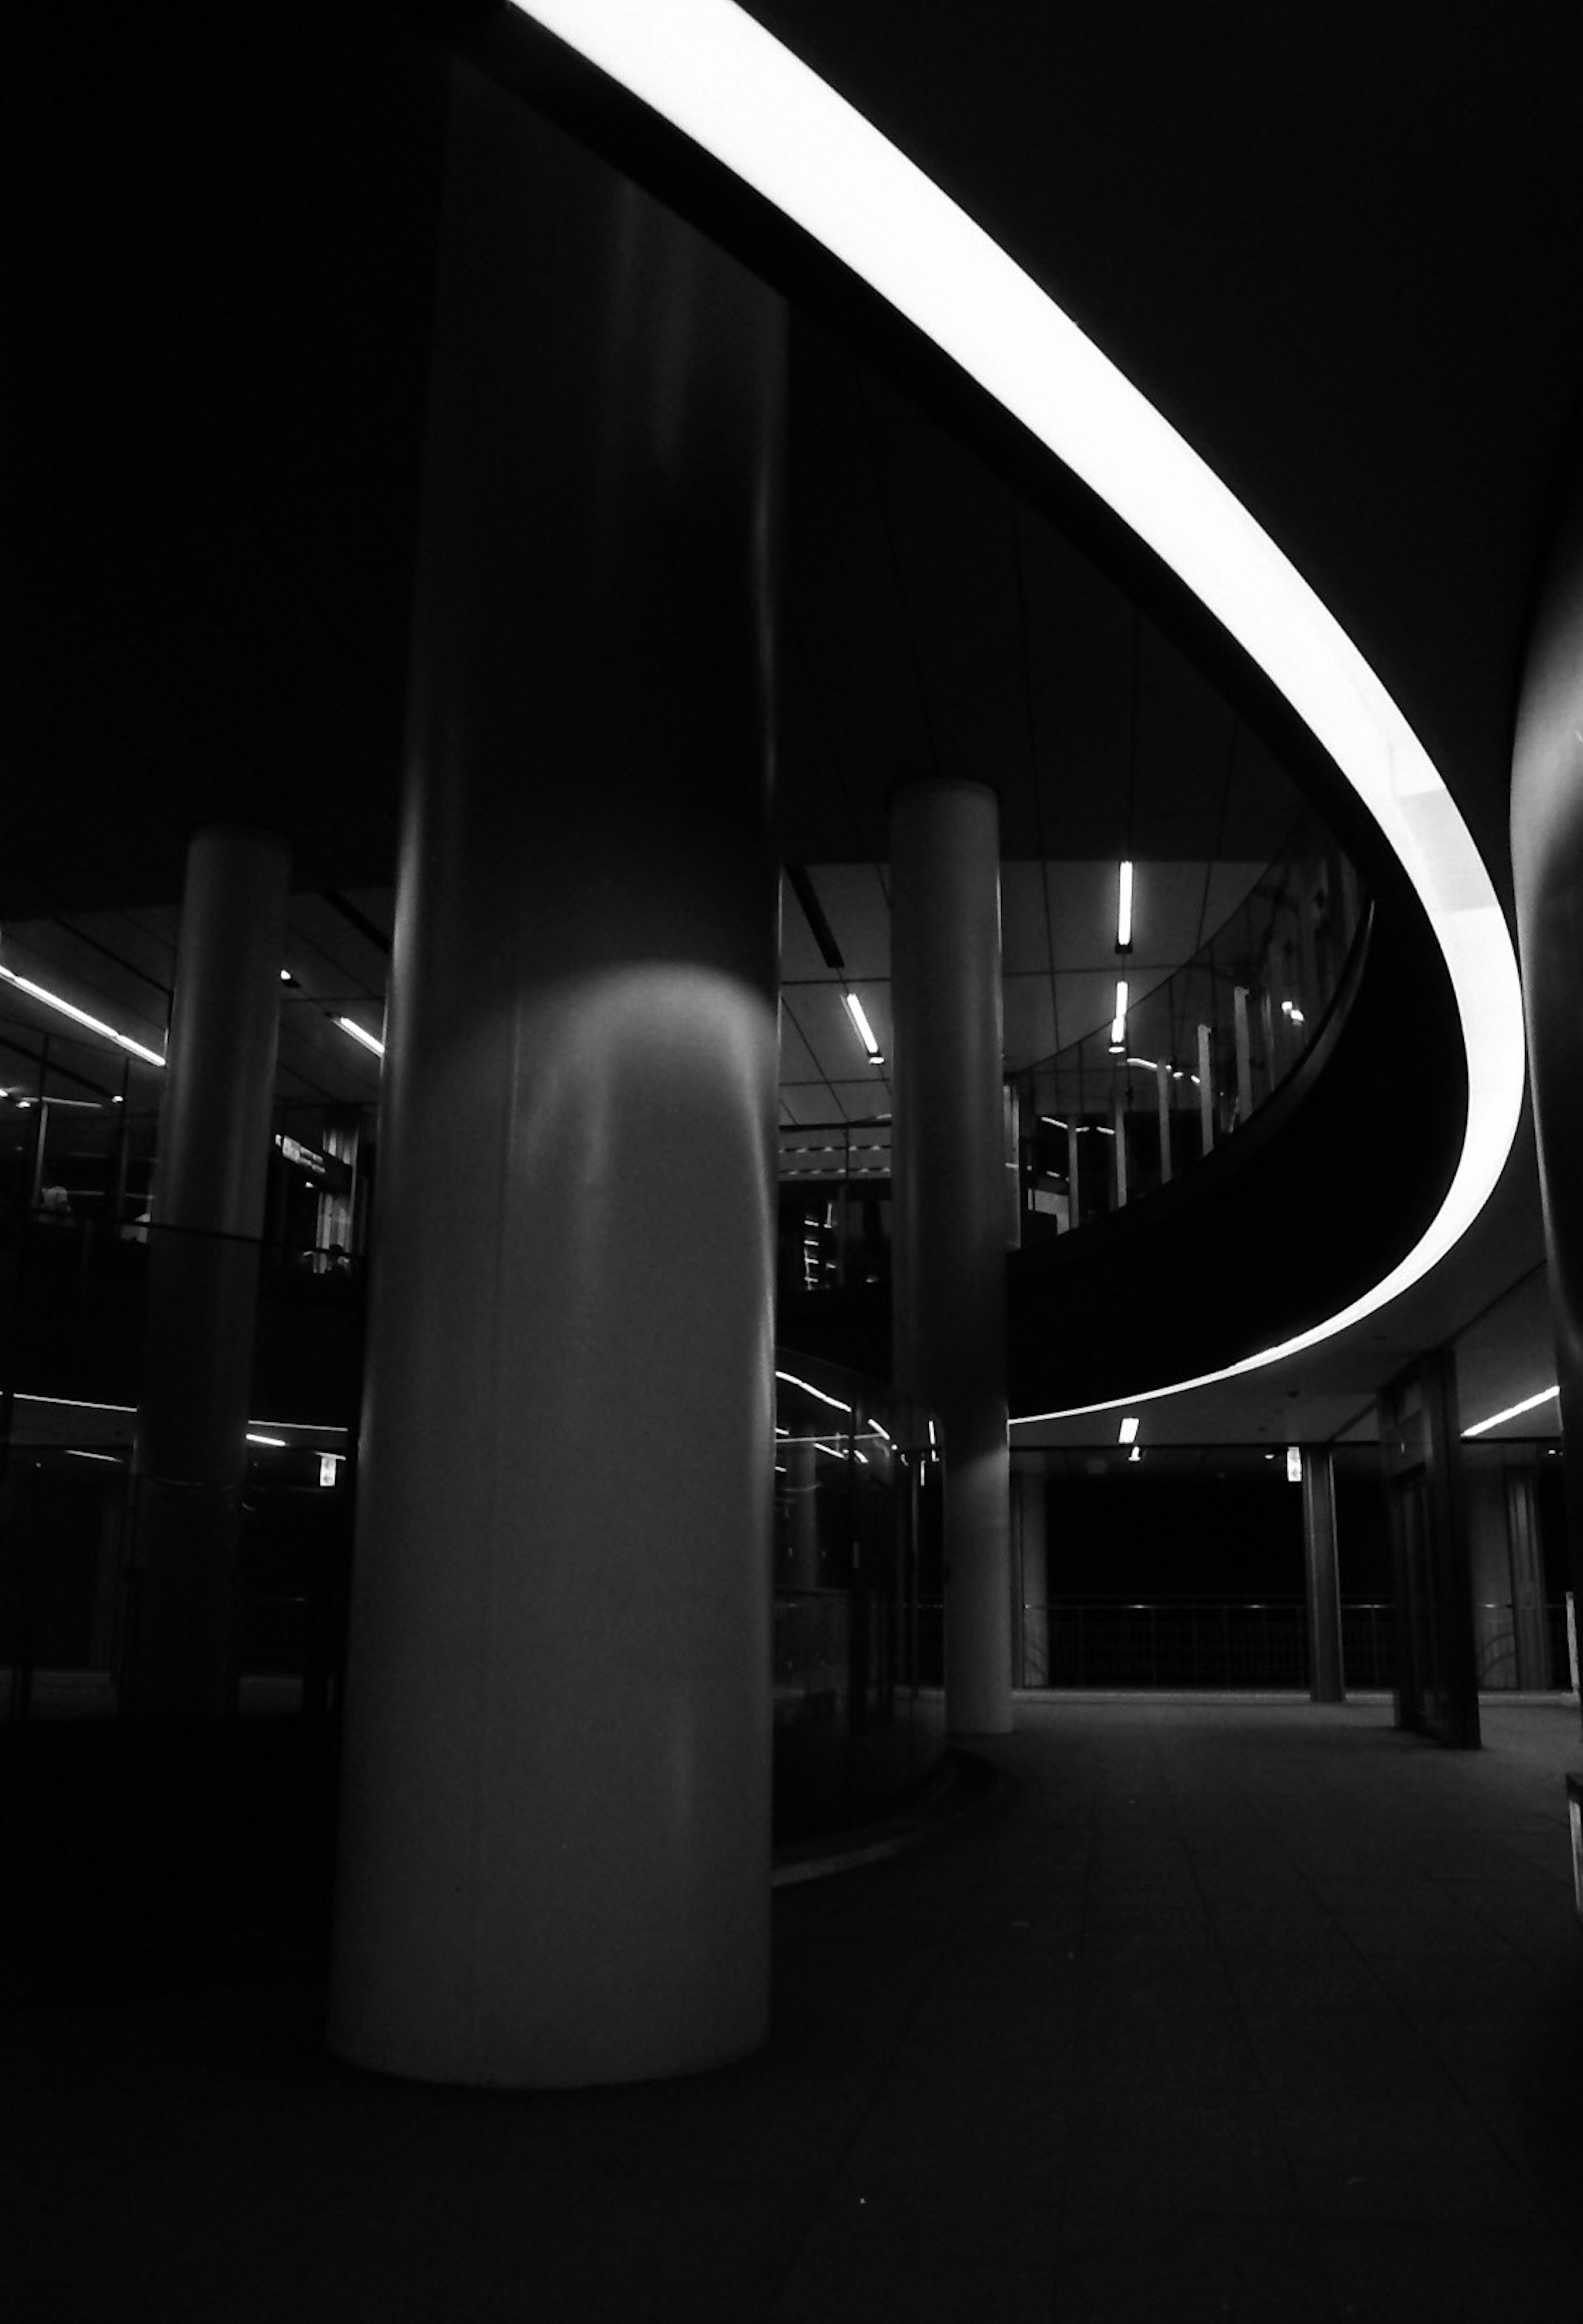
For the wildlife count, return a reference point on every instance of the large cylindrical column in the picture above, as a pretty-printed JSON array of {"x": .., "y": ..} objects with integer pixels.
[
  {"x": 179, "y": 1657},
  {"x": 1547, "y": 863},
  {"x": 555, "y": 1844},
  {"x": 950, "y": 1241},
  {"x": 1322, "y": 1576}
]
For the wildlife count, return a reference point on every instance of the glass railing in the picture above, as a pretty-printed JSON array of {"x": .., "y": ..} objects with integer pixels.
[
  {"x": 1136, "y": 1101},
  {"x": 1224, "y": 1644},
  {"x": 1103, "y": 1121}
]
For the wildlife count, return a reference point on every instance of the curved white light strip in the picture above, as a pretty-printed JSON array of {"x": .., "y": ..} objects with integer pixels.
[{"x": 739, "y": 94}]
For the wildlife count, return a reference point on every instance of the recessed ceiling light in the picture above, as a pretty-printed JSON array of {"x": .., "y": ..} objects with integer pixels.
[
  {"x": 80, "y": 1017},
  {"x": 1513, "y": 1411},
  {"x": 357, "y": 1034}
]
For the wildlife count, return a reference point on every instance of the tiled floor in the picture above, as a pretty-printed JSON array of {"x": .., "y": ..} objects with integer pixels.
[{"x": 1242, "y": 2011}]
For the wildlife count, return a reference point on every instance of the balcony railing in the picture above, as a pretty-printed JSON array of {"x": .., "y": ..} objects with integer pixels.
[
  {"x": 1142, "y": 1097},
  {"x": 1105, "y": 1121}
]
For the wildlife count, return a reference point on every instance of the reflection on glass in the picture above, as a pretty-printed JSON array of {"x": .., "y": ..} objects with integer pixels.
[
  {"x": 1196, "y": 1057},
  {"x": 857, "y": 1545}
]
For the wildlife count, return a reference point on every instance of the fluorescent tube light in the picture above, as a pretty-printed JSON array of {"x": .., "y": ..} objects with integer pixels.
[
  {"x": 74, "y": 1403},
  {"x": 252, "y": 1439},
  {"x": 1294, "y": 1464},
  {"x": 357, "y": 1034},
  {"x": 80, "y": 1017},
  {"x": 1127, "y": 1432},
  {"x": 1118, "y": 1023},
  {"x": 864, "y": 1030},
  {"x": 1124, "y": 909},
  {"x": 1513, "y": 1411}
]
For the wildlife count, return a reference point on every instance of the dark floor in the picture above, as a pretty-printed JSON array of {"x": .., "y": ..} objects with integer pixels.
[{"x": 1257, "y": 2011}]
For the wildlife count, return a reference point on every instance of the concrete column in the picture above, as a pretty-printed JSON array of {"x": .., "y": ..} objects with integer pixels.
[
  {"x": 1033, "y": 1567},
  {"x": 1547, "y": 863},
  {"x": 951, "y": 1209},
  {"x": 555, "y": 1843},
  {"x": 208, "y": 1216},
  {"x": 1326, "y": 1682}
]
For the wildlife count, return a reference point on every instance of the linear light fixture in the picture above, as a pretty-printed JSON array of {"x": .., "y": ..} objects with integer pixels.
[
  {"x": 1118, "y": 1023},
  {"x": 1513, "y": 1411},
  {"x": 741, "y": 97},
  {"x": 80, "y": 1017},
  {"x": 279, "y": 1441},
  {"x": 1124, "y": 908},
  {"x": 74, "y": 1403},
  {"x": 1128, "y": 1432},
  {"x": 864, "y": 1030},
  {"x": 809, "y": 1388},
  {"x": 357, "y": 1034}
]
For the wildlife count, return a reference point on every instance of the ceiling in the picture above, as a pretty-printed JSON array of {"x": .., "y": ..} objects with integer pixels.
[{"x": 1335, "y": 246}]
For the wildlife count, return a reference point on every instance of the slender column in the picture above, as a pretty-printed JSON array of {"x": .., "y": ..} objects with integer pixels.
[
  {"x": 208, "y": 1216},
  {"x": 1436, "y": 1650},
  {"x": 555, "y": 1846},
  {"x": 950, "y": 1210},
  {"x": 1547, "y": 863},
  {"x": 1327, "y": 1680},
  {"x": 1028, "y": 1480},
  {"x": 1530, "y": 1626},
  {"x": 1206, "y": 1087},
  {"x": 1244, "y": 1068}
]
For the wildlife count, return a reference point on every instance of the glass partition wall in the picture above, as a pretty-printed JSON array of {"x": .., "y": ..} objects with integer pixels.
[
  {"x": 857, "y": 1556},
  {"x": 857, "y": 1709}
]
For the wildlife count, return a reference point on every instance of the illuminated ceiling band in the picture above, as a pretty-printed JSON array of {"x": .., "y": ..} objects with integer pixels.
[{"x": 743, "y": 98}]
